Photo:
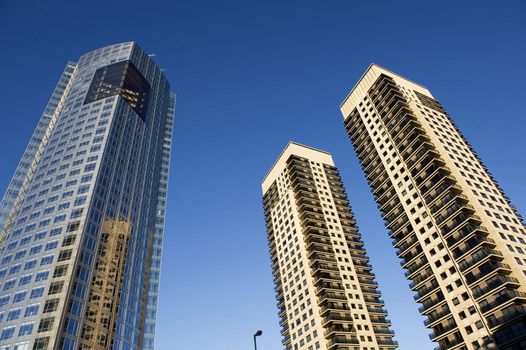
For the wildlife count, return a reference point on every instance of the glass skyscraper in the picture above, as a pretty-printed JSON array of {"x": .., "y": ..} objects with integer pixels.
[{"x": 81, "y": 223}]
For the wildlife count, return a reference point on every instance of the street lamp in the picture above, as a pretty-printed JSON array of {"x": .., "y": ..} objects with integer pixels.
[{"x": 257, "y": 334}]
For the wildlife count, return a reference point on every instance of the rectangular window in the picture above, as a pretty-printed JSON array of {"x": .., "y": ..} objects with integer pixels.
[
  {"x": 19, "y": 296},
  {"x": 51, "y": 245},
  {"x": 45, "y": 324},
  {"x": 42, "y": 276},
  {"x": 25, "y": 280},
  {"x": 46, "y": 260},
  {"x": 13, "y": 314},
  {"x": 30, "y": 264},
  {"x": 25, "y": 329},
  {"x": 7, "y": 333},
  {"x": 31, "y": 310},
  {"x": 9, "y": 284},
  {"x": 36, "y": 293},
  {"x": 4, "y": 300}
]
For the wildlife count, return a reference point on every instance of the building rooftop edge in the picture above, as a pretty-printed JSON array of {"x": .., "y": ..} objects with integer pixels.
[
  {"x": 283, "y": 151},
  {"x": 372, "y": 65}
]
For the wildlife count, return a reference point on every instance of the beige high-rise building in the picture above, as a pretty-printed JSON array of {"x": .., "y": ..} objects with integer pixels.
[
  {"x": 460, "y": 239},
  {"x": 325, "y": 288}
]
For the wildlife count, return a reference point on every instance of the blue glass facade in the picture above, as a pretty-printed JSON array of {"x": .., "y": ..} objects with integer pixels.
[{"x": 82, "y": 241}]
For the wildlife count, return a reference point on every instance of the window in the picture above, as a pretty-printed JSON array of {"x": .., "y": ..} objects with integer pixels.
[
  {"x": 25, "y": 240},
  {"x": 14, "y": 269},
  {"x": 9, "y": 284},
  {"x": 80, "y": 200},
  {"x": 36, "y": 293},
  {"x": 7, "y": 333},
  {"x": 63, "y": 206},
  {"x": 45, "y": 324},
  {"x": 41, "y": 343},
  {"x": 46, "y": 260},
  {"x": 4, "y": 300},
  {"x": 51, "y": 305},
  {"x": 35, "y": 249},
  {"x": 25, "y": 329},
  {"x": 13, "y": 314},
  {"x": 60, "y": 271},
  {"x": 60, "y": 218},
  {"x": 40, "y": 235},
  {"x": 19, "y": 296},
  {"x": 24, "y": 280},
  {"x": 30, "y": 264},
  {"x": 31, "y": 310},
  {"x": 42, "y": 276},
  {"x": 55, "y": 287},
  {"x": 55, "y": 231},
  {"x": 20, "y": 254},
  {"x": 51, "y": 245}
]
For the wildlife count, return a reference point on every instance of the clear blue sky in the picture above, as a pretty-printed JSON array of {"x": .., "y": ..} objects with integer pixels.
[{"x": 251, "y": 76}]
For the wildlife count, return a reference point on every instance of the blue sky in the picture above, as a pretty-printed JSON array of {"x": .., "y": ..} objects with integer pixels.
[{"x": 250, "y": 76}]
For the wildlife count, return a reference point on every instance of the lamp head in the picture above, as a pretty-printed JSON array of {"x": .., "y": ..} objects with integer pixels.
[{"x": 258, "y": 333}]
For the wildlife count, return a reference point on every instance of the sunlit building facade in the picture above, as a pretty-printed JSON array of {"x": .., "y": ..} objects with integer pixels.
[
  {"x": 325, "y": 289},
  {"x": 459, "y": 238},
  {"x": 82, "y": 220}
]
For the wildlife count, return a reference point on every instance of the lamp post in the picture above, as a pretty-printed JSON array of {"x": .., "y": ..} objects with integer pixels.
[{"x": 257, "y": 334}]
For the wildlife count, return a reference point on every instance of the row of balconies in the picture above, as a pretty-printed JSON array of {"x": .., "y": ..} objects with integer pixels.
[
  {"x": 431, "y": 302},
  {"x": 376, "y": 310},
  {"x": 409, "y": 254},
  {"x": 400, "y": 113},
  {"x": 415, "y": 266},
  {"x": 470, "y": 244},
  {"x": 446, "y": 199},
  {"x": 494, "y": 283},
  {"x": 328, "y": 286},
  {"x": 411, "y": 142},
  {"x": 451, "y": 342},
  {"x": 438, "y": 178},
  {"x": 371, "y": 299},
  {"x": 406, "y": 243},
  {"x": 325, "y": 296},
  {"x": 408, "y": 134},
  {"x": 427, "y": 288},
  {"x": 334, "y": 307},
  {"x": 401, "y": 222},
  {"x": 393, "y": 214},
  {"x": 338, "y": 341},
  {"x": 458, "y": 236},
  {"x": 391, "y": 202},
  {"x": 503, "y": 298},
  {"x": 454, "y": 209},
  {"x": 458, "y": 221},
  {"x": 440, "y": 190},
  {"x": 421, "y": 277},
  {"x": 511, "y": 314},
  {"x": 484, "y": 270},
  {"x": 437, "y": 315},
  {"x": 479, "y": 256},
  {"x": 321, "y": 256},
  {"x": 442, "y": 328},
  {"x": 338, "y": 329},
  {"x": 406, "y": 130}
]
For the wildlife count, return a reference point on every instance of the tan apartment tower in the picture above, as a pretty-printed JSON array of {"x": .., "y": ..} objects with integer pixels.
[
  {"x": 325, "y": 289},
  {"x": 459, "y": 238}
]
